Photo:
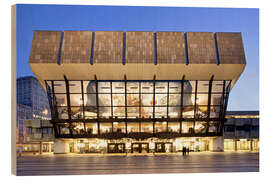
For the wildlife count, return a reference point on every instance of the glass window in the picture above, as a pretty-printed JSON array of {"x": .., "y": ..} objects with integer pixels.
[
  {"x": 77, "y": 128},
  {"x": 105, "y": 112},
  {"x": 133, "y": 127},
  {"x": 217, "y": 86},
  {"x": 160, "y": 127},
  {"x": 105, "y": 128},
  {"x": 188, "y": 112},
  {"x": 62, "y": 112},
  {"x": 104, "y": 100},
  {"x": 75, "y": 86},
  {"x": 161, "y": 87},
  {"x": 76, "y": 100},
  {"x": 89, "y": 99},
  {"x": 133, "y": 100},
  {"x": 161, "y": 99},
  {"x": 200, "y": 127},
  {"x": 91, "y": 128},
  {"x": 118, "y": 99},
  {"x": 203, "y": 86},
  {"x": 132, "y": 87},
  {"x": 147, "y": 99},
  {"x": 61, "y": 99},
  {"x": 174, "y": 112},
  {"x": 147, "y": 112},
  {"x": 76, "y": 112},
  {"x": 147, "y": 127},
  {"x": 175, "y": 87},
  {"x": 118, "y": 87},
  {"x": 187, "y": 127},
  {"x": 216, "y": 99},
  {"x": 174, "y": 100},
  {"x": 189, "y": 86},
  {"x": 202, "y": 99},
  {"x": 213, "y": 126},
  {"x": 188, "y": 99},
  {"x": 63, "y": 128},
  {"x": 59, "y": 87},
  {"x": 160, "y": 112},
  {"x": 173, "y": 127},
  {"x": 89, "y": 86},
  {"x": 147, "y": 87},
  {"x": 214, "y": 111},
  {"x": 104, "y": 87},
  {"x": 133, "y": 112},
  {"x": 119, "y": 127},
  {"x": 201, "y": 112},
  {"x": 119, "y": 112}
]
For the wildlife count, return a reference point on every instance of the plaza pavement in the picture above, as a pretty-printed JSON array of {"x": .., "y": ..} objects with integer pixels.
[{"x": 82, "y": 164}]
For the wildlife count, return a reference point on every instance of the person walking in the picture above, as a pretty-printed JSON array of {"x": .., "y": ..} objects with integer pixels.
[{"x": 188, "y": 150}]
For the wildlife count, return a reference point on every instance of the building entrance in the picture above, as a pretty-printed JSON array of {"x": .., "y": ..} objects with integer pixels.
[
  {"x": 164, "y": 147},
  {"x": 116, "y": 148},
  {"x": 139, "y": 147}
]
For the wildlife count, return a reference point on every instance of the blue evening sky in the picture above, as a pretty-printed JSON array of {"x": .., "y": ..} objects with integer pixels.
[{"x": 245, "y": 93}]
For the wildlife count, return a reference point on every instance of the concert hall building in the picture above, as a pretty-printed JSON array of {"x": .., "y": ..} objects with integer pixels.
[{"x": 137, "y": 92}]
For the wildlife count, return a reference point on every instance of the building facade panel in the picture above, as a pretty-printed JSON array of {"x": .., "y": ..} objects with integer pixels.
[
  {"x": 230, "y": 48},
  {"x": 45, "y": 47},
  {"x": 171, "y": 48},
  {"x": 76, "y": 47},
  {"x": 201, "y": 48},
  {"x": 108, "y": 47},
  {"x": 140, "y": 47}
]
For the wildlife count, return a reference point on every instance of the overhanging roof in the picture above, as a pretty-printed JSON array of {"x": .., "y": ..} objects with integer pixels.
[{"x": 79, "y": 55}]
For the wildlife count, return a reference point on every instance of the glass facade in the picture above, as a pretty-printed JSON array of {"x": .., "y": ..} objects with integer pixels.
[{"x": 183, "y": 107}]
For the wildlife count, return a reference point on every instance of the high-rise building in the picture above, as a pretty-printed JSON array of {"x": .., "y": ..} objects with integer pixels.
[
  {"x": 137, "y": 92},
  {"x": 34, "y": 130}
]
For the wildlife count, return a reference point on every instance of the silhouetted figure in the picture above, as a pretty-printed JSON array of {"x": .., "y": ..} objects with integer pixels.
[
  {"x": 184, "y": 150},
  {"x": 188, "y": 151}
]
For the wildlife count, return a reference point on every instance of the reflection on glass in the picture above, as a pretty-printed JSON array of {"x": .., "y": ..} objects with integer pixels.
[
  {"x": 213, "y": 126},
  {"x": 77, "y": 128},
  {"x": 76, "y": 112},
  {"x": 161, "y": 87},
  {"x": 61, "y": 99},
  {"x": 132, "y": 87},
  {"x": 133, "y": 127},
  {"x": 174, "y": 100},
  {"x": 200, "y": 127},
  {"x": 119, "y": 111},
  {"x": 118, "y": 99},
  {"x": 133, "y": 112},
  {"x": 75, "y": 86},
  {"x": 173, "y": 126},
  {"x": 175, "y": 87},
  {"x": 89, "y": 87},
  {"x": 91, "y": 128},
  {"x": 76, "y": 100},
  {"x": 187, "y": 127},
  {"x": 201, "y": 112},
  {"x": 160, "y": 127},
  {"x": 133, "y": 100},
  {"x": 64, "y": 128},
  {"x": 214, "y": 111},
  {"x": 118, "y": 87},
  {"x": 203, "y": 86},
  {"x": 59, "y": 87},
  {"x": 188, "y": 112},
  {"x": 119, "y": 127},
  {"x": 147, "y": 127},
  {"x": 105, "y": 128},
  {"x": 160, "y": 112},
  {"x": 62, "y": 112},
  {"x": 147, "y": 112},
  {"x": 104, "y": 87}
]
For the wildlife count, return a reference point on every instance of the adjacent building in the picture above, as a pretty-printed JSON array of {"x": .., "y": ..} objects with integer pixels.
[
  {"x": 34, "y": 130},
  {"x": 241, "y": 131},
  {"x": 137, "y": 92}
]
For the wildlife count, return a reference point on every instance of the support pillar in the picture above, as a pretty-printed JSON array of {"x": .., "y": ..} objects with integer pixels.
[
  {"x": 218, "y": 144},
  {"x": 60, "y": 147},
  {"x": 40, "y": 148},
  {"x": 235, "y": 145}
]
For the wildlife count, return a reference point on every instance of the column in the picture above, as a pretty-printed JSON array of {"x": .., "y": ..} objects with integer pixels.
[
  {"x": 218, "y": 144},
  {"x": 60, "y": 147}
]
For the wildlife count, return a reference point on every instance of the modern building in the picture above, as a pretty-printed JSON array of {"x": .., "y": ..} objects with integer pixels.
[
  {"x": 31, "y": 93},
  {"x": 24, "y": 112},
  {"x": 137, "y": 92},
  {"x": 34, "y": 130},
  {"x": 241, "y": 131}
]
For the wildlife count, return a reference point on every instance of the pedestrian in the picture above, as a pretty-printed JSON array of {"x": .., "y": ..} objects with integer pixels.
[
  {"x": 188, "y": 150},
  {"x": 183, "y": 152}
]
